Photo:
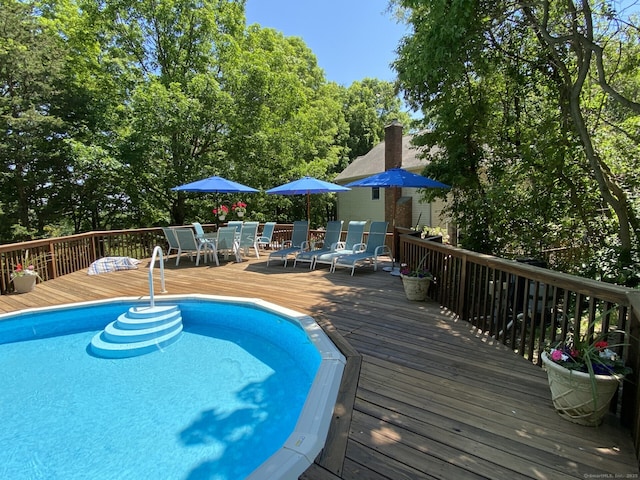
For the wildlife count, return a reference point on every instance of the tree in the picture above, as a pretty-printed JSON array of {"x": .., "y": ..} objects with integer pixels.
[
  {"x": 31, "y": 134},
  {"x": 370, "y": 105},
  {"x": 519, "y": 95}
]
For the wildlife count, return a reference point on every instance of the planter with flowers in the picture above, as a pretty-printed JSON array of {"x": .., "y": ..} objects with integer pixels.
[
  {"x": 24, "y": 279},
  {"x": 583, "y": 377},
  {"x": 239, "y": 208},
  {"x": 221, "y": 212},
  {"x": 416, "y": 281}
]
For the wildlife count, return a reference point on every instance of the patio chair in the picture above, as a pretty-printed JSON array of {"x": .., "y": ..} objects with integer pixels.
[
  {"x": 331, "y": 239},
  {"x": 200, "y": 233},
  {"x": 248, "y": 238},
  {"x": 237, "y": 224},
  {"x": 172, "y": 241},
  {"x": 297, "y": 244},
  {"x": 265, "y": 238},
  {"x": 227, "y": 242},
  {"x": 188, "y": 243},
  {"x": 355, "y": 232},
  {"x": 205, "y": 237},
  {"x": 375, "y": 247}
]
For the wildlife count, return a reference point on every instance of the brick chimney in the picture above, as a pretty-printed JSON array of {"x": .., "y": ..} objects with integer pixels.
[
  {"x": 393, "y": 145},
  {"x": 392, "y": 159}
]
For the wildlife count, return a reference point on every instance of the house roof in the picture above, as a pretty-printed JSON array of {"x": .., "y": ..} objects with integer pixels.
[{"x": 373, "y": 162}]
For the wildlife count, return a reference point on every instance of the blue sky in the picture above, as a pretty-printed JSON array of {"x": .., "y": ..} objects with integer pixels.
[{"x": 352, "y": 39}]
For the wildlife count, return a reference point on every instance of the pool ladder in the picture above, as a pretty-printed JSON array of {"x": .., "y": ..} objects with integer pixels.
[{"x": 141, "y": 329}]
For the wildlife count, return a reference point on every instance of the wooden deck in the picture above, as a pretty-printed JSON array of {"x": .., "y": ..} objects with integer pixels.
[{"x": 424, "y": 396}]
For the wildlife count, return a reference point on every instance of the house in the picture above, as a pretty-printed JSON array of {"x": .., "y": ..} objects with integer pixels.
[{"x": 377, "y": 204}]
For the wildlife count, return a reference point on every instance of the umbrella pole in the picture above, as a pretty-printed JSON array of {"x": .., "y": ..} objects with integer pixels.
[
  {"x": 394, "y": 240},
  {"x": 308, "y": 216}
]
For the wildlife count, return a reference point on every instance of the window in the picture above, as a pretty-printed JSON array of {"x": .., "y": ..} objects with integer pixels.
[{"x": 375, "y": 193}]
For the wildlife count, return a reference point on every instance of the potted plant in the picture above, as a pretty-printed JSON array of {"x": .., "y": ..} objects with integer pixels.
[
  {"x": 24, "y": 279},
  {"x": 239, "y": 208},
  {"x": 416, "y": 281},
  {"x": 583, "y": 377},
  {"x": 221, "y": 212}
]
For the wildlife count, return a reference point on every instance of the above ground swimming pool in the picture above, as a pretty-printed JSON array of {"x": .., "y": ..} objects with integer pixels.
[{"x": 247, "y": 391}]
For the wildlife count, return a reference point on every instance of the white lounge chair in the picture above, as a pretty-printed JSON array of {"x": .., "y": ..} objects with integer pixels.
[
  {"x": 355, "y": 232},
  {"x": 331, "y": 239},
  {"x": 375, "y": 247},
  {"x": 297, "y": 244}
]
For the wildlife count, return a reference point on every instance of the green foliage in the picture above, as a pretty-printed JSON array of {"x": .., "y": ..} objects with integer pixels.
[
  {"x": 537, "y": 132},
  {"x": 107, "y": 106}
]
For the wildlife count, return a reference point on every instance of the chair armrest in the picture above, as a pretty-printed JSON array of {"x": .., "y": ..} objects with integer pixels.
[{"x": 359, "y": 247}]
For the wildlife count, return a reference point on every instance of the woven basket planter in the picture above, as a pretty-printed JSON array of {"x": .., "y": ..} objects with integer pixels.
[
  {"x": 415, "y": 288},
  {"x": 572, "y": 395}
]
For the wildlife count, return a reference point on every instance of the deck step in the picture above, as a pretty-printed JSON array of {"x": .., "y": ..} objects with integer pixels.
[{"x": 138, "y": 331}]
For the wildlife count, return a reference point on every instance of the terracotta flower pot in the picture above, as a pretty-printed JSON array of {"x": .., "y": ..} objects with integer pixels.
[{"x": 572, "y": 394}]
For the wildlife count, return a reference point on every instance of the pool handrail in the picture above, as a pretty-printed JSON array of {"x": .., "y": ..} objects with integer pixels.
[{"x": 156, "y": 251}]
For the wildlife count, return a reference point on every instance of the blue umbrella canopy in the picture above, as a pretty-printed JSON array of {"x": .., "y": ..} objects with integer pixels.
[
  {"x": 215, "y": 184},
  {"x": 397, "y": 177},
  {"x": 307, "y": 185}
]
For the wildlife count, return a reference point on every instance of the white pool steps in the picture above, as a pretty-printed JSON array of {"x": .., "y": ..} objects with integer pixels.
[{"x": 138, "y": 331}]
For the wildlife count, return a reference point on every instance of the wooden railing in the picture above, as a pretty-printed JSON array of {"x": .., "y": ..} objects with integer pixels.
[
  {"x": 53, "y": 257},
  {"x": 61, "y": 255},
  {"x": 515, "y": 303},
  {"x": 527, "y": 307}
]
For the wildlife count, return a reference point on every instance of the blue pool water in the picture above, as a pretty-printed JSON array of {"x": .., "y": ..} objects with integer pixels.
[{"x": 214, "y": 405}]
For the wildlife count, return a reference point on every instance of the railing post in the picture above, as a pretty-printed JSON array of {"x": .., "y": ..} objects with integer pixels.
[
  {"x": 630, "y": 412},
  {"x": 462, "y": 286},
  {"x": 93, "y": 248},
  {"x": 53, "y": 272}
]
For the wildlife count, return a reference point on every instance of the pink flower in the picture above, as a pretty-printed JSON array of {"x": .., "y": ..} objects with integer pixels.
[
  {"x": 221, "y": 210},
  {"x": 556, "y": 355}
]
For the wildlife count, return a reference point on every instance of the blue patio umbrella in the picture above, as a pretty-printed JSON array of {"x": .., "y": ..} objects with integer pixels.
[
  {"x": 307, "y": 185},
  {"x": 215, "y": 184},
  {"x": 397, "y": 177}
]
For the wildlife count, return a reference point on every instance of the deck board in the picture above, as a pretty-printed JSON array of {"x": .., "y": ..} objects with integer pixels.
[{"x": 424, "y": 395}]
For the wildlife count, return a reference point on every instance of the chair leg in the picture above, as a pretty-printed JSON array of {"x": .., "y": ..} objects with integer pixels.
[{"x": 214, "y": 252}]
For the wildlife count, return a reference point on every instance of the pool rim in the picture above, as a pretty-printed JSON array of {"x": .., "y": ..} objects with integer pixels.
[{"x": 309, "y": 435}]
